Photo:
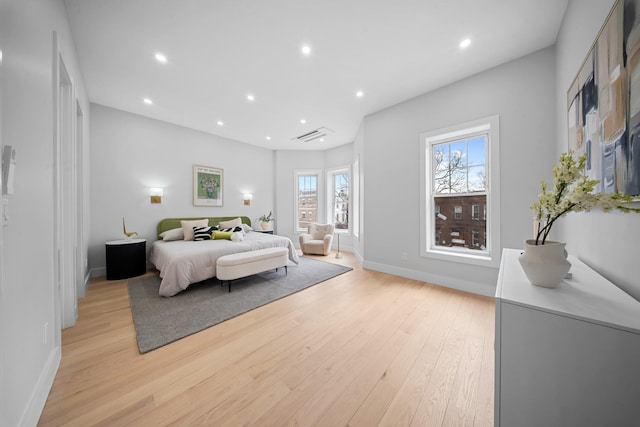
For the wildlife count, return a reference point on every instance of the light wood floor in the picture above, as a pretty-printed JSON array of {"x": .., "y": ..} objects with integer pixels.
[{"x": 362, "y": 349}]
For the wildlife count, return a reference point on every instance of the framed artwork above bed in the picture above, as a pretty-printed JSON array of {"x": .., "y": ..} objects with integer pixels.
[{"x": 207, "y": 185}]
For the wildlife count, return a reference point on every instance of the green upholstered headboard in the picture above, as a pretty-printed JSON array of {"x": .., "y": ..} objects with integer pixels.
[{"x": 171, "y": 223}]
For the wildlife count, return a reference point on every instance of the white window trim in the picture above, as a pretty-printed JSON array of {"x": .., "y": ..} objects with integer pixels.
[
  {"x": 355, "y": 200},
  {"x": 491, "y": 258},
  {"x": 329, "y": 192},
  {"x": 296, "y": 174}
]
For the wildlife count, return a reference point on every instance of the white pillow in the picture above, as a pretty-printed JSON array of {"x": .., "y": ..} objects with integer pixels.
[
  {"x": 187, "y": 227},
  {"x": 246, "y": 228},
  {"x": 238, "y": 236},
  {"x": 231, "y": 223},
  {"x": 173, "y": 234}
]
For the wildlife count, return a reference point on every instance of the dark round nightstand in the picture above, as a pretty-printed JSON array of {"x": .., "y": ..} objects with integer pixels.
[{"x": 126, "y": 258}]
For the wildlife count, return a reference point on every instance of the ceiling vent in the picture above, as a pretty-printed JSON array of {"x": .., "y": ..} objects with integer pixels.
[{"x": 314, "y": 134}]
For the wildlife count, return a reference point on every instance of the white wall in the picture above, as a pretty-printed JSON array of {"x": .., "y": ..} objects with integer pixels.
[
  {"x": 29, "y": 342},
  {"x": 522, "y": 93},
  {"x": 606, "y": 242},
  {"x": 131, "y": 153}
]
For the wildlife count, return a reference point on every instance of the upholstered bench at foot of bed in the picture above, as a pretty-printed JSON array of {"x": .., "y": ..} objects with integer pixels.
[{"x": 243, "y": 264}]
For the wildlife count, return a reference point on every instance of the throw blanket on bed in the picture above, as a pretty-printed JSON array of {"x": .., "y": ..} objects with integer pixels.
[{"x": 182, "y": 262}]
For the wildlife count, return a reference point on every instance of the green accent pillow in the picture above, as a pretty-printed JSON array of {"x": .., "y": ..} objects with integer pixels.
[{"x": 222, "y": 235}]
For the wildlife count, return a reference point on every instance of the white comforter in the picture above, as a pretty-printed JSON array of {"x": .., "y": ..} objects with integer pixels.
[{"x": 182, "y": 263}]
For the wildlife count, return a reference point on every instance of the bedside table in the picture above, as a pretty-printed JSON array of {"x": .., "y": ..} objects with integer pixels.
[{"x": 126, "y": 258}]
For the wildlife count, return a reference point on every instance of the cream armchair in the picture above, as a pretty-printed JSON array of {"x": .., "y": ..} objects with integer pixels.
[{"x": 317, "y": 240}]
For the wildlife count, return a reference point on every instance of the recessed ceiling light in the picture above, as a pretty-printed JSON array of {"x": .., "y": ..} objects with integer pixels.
[
  {"x": 268, "y": 138},
  {"x": 303, "y": 121},
  {"x": 464, "y": 43},
  {"x": 147, "y": 101},
  {"x": 251, "y": 97},
  {"x": 321, "y": 139},
  {"x": 359, "y": 94},
  {"x": 161, "y": 58},
  {"x": 220, "y": 122},
  {"x": 306, "y": 50}
]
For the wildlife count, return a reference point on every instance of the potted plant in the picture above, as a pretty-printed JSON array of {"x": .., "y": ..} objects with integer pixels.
[
  {"x": 265, "y": 221},
  {"x": 544, "y": 261}
]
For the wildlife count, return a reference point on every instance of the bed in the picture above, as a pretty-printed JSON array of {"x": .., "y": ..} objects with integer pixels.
[{"x": 183, "y": 262}]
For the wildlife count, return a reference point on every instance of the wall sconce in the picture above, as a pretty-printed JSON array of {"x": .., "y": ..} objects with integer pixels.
[
  {"x": 247, "y": 199},
  {"x": 156, "y": 195}
]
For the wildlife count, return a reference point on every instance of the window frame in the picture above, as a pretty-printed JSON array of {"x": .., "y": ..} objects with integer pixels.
[
  {"x": 490, "y": 257},
  {"x": 330, "y": 184},
  {"x": 457, "y": 212},
  {"x": 320, "y": 196},
  {"x": 475, "y": 212},
  {"x": 355, "y": 199}
]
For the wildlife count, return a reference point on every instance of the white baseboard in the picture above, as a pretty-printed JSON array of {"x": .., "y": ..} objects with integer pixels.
[
  {"x": 99, "y": 272},
  {"x": 448, "y": 282},
  {"x": 358, "y": 257},
  {"x": 38, "y": 399},
  {"x": 87, "y": 279}
]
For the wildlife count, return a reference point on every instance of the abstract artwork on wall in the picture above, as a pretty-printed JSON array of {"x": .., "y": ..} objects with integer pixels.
[
  {"x": 603, "y": 102},
  {"x": 207, "y": 186}
]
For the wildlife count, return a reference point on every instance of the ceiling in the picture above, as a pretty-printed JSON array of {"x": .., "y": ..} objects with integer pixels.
[{"x": 220, "y": 51}]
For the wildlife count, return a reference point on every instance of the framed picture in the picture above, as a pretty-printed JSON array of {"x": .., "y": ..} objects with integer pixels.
[
  {"x": 603, "y": 103},
  {"x": 207, "y": 186}
]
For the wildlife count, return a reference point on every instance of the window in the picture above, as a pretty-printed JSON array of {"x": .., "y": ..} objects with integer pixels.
[
  {"x": 460, "y": 172},
  {"x": 475, "y": 237},
  {"x": 307, "y": 199},
  {"x": 475, "y": 212},
  {"x": 457, "y": 211},
  {"x": 338, "y": 198}
]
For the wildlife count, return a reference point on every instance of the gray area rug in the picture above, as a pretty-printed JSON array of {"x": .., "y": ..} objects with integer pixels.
[{"x": 160, "y": 320}]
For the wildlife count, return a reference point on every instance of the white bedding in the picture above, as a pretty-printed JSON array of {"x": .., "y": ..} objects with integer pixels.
[{"x": 182, "y": 263}]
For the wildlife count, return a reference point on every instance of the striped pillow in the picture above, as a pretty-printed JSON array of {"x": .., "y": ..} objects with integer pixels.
[
  {"x": 202, "y": 233},
  {"x": 232, "y": 229}
]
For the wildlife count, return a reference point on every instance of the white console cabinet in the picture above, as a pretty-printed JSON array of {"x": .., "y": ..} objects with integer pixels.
[{"x": 568, "y": 356}]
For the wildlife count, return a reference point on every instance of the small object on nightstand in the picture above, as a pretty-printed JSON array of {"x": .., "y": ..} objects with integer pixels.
[
  {"x": 265, "y": 231},
  {"x": 129, "y": 234},
  {"x": 126, "y": 258}
]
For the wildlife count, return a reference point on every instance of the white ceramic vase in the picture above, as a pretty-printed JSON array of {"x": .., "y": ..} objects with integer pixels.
[
  {"x": 544, "y": 265},
  {"x": 265, "y": 225}
]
